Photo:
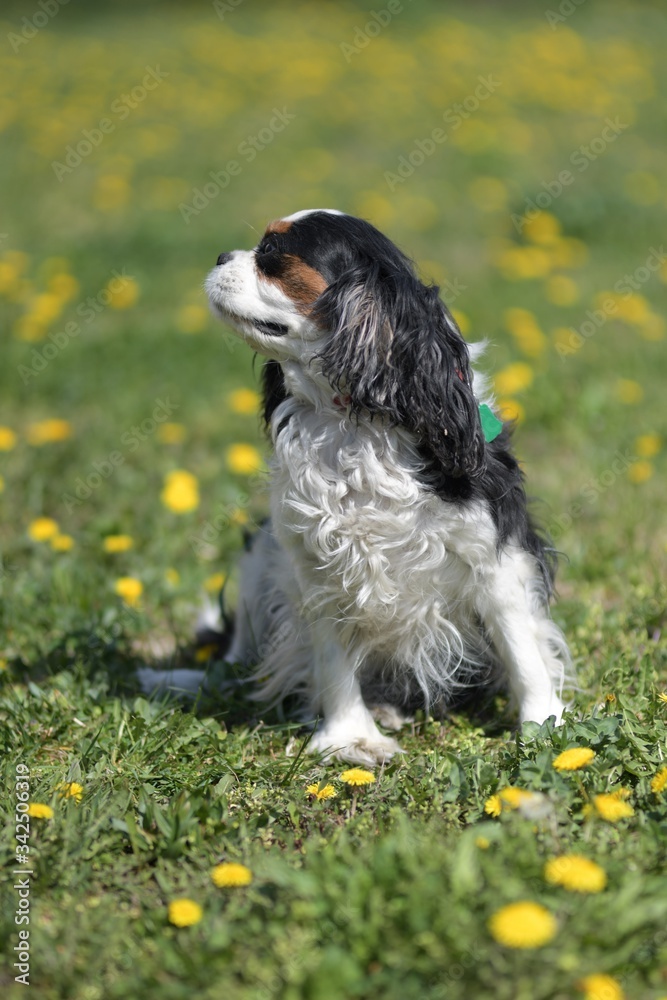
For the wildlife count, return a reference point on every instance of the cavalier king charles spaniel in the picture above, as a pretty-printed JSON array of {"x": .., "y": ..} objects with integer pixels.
[{"x": 400, "y": 566}]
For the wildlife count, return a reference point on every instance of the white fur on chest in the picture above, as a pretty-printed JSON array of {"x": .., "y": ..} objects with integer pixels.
[{"x": 369, "y": 544}]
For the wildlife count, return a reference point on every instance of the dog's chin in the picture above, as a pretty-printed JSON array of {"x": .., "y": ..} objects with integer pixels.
[{"x": 250, "y": 326}]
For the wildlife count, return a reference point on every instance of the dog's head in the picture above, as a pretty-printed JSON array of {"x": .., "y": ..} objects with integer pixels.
[{"x": 329, "y": 292}]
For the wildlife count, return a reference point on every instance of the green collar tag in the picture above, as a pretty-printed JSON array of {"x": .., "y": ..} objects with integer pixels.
[{"x": 491, "y": 426}]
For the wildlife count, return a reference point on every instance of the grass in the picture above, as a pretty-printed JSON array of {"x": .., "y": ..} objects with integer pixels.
[{"x": 389, "y": 893}]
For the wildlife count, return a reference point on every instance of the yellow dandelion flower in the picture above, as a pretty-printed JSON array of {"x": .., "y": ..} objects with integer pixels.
[
  {"x": 64, "y": 286},
  {"x": 45, "y": 308},
  {"x": 462, "y": 321},
  {"x": 561, "y": 290},
  {"x": 511, "y": 409},
  {"x": 513, "y": 378},
  {"x": 204, "y": 653},
  {"x": 184, "y": 912},
  {"x": 648, "y": 445},
  {"x": 513, "y": 797},
  {"x": 171, "y": 433},
  {"x": 493, "y": 806},
  {"x": 573, "y": 759},
  {"x": 640, "y": 471},
  {"x": 28, "y": 328},
  {"x": 611, "y": 807},
  {"x": 523, "y": 263},
  {"x": 523, "y": 326},
  {"x": 122, "y": 294},
  {"x": 653, "y": 327},
  {"x": 47, "y": 431},
  {"x": 71, "y": 790},
  {"x": 243, "y": 459},
  {"x": 523, "y": 925},
  {"x": 192, "y": 318},
  {"x": 231, "y": 874},
  {"x": 357, "y": 776},
  {"x": 373, "y": 206},
  {"x": 215, "y": 582},
  {"x": 38, "y": 810},
  {"x": 483, "y": 843},
  {"x": 42, "y": 529},
  {"x": 172, "y": 576},
  {"x": 130, "y": 589},
  {"x": 575, "y": 873},
  {"x": 601, "y": 987},
  {"x": 628, "y": 391},
  {"x": 659, "y": 782},
  {"x": 117, "y": 543},
  {"x": 111, "y": 193},
  {"x": 611, "y": 698},
  {"x": 7, "y": 439},
  {"x": 61, "y": 543},
  {"x": 663, "y": 697},
  {"x": 244, "y": 401},
  {"x": 632, "y": 308},
  {"x": 181, "y": 492},
  {"x": 543, "y": 228},
  {"x": 326, "y": 792},
  {"x": 568, "y": 252}
]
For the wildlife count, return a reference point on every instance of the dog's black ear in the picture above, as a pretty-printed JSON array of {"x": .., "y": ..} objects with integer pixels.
[
  {"x": 395, "y": 350},
  {"x": 273, "y": 389}
]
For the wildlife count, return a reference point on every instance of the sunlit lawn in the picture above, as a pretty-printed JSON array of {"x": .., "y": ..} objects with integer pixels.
[{"x": 138, "y": 142}]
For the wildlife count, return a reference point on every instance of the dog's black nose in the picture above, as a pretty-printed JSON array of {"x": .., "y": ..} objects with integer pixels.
[{"x": 224, "y": 258}]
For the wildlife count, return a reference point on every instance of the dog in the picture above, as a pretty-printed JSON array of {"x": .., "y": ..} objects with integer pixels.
[{"x": 400, "y": 564}]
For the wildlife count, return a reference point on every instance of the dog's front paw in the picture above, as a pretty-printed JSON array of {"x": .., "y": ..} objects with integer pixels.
[{"x": 370, "y": 749}]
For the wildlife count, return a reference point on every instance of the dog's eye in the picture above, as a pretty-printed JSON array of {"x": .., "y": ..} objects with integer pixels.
[{"x": 266, "y": 248}]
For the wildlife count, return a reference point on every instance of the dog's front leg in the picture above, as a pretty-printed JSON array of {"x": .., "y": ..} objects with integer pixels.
[
  {"x": 530, "y": 645},
  {"x": 347, "y": 730}
]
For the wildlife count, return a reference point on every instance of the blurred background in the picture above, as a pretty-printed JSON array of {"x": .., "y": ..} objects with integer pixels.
[{"x": 517, "y": 152}]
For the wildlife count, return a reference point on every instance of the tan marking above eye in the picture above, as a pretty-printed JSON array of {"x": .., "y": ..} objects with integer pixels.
[
  {"x": 300, "y": 282},
  {"x": 278, "y": 226}
]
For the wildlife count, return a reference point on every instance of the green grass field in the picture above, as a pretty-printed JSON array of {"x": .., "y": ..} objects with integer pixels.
[{"x": 519, "y": 157}]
